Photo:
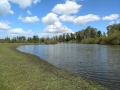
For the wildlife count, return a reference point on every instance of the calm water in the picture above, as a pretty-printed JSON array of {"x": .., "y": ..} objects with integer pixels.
[{"x": 100, "y": 63}]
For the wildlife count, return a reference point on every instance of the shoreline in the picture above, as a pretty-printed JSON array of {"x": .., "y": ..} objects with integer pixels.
[{"x": 24, "y": 71}]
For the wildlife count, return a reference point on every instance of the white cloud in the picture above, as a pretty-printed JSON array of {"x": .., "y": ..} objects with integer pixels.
[
  {"x": 29, "y": 13},
  {"x": 70, "y": 7},
  {"x": 20, "y": 31},
  {"x": 24, "y": 3},
  {"x": 111, "y": 23},
  {"x": 50, "y": 18},
  {"x": 118, "y": 21},
  {"x": 57, "y": 28},
  {"x": 111, "y": 17},
  {"x": 36, "y": 1},
  {"x": 11, "y": 12},
  {"x": 29, "y": 19},
  {"x": 78, "y": 0},
  {"x": 67, "y": 18},
  {"x": 82, "y": 20},
  {"x": 45, "y": 35},
  {"x": 5, "y": 8},
  {"x": 54, "y": 26},
  {"x": 4, "y": 26}
]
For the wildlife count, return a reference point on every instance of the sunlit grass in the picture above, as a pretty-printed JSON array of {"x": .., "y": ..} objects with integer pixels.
[{"x": 22, "y": 71}]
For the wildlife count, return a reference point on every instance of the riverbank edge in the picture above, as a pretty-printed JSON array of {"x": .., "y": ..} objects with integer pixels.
[{"x": 44, "y": 76}]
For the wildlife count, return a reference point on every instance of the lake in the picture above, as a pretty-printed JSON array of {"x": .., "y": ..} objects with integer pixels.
[{"x": 100, "y": 63}]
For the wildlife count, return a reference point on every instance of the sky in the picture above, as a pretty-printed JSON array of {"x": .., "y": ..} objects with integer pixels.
[{"x": 55, "y": 17}]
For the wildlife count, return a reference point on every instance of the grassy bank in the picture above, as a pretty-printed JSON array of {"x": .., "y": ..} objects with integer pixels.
[{"x": 22, "y": 71}]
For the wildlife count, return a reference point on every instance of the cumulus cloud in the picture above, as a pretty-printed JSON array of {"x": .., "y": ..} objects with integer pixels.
[
  {"x": 67, "y": 18},
  {"x": 70, "y": 7},
  {"x": 5, "y": 8},
  {"x": 111, "y": 23},
  {"x": 50, "y": 18},
  {"x": 114, "y": 22},
  {"x": 29, "y": 13},
  {"x": 56, "y": 28},
  {"x": 118, "y": 21},
  {"x": 24, "y": 3},
  {"x": 45, "y": 35},
  {"x": 82, "y": 20},
  {"x": 20, "y": 31},
  {"x": 111, "y": 17},
  {"x": 4, "y": 26},
  {"x": 36, "y": 1},
  {"x": 29, "y": 19}
]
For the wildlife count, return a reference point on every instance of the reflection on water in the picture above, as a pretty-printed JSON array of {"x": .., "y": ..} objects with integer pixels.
[{"x": 100, "y": 63}]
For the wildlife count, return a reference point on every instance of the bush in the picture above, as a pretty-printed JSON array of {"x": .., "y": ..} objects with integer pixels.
[{"x": 88, "y": 40}]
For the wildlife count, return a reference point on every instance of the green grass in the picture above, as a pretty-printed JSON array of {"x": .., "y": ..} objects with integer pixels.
[{"x": 22, "y": 71}]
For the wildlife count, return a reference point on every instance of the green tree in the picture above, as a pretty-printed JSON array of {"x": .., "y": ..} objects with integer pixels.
[
  {"x": 63, "y": 38},
  {"x": 29, "y": 40},
  {"x": 14, "y": 40},
  {"x": 99, "y": 33},
  {"x": 35, "y": 39},
  {"x": 67, "y": 37},
  {"x": 7, "y": 39},
  {"x": 72, "y": 36}
]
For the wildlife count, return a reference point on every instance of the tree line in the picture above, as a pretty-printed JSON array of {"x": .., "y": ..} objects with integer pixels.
[
  {"x": 23, "y": 39},
  {"x": 89, "y": 35}
]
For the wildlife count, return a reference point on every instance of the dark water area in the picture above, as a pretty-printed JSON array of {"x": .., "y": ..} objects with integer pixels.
[{"x": 100, "y": 63}]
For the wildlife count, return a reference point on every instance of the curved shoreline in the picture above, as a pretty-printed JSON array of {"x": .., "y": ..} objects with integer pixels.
[{"x": 23, "y": 71}]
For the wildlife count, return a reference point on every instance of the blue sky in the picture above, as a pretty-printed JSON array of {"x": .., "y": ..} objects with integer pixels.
[{"x": 54, "y": 17}]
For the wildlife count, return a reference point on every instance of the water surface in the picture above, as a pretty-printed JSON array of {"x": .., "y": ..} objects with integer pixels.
[{"x": 100, "y": 63}]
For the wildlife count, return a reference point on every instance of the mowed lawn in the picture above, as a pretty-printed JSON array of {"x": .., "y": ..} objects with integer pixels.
[{"x": 22, "y": 71}]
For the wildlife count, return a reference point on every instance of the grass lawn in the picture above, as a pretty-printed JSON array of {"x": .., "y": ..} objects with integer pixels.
[{"x": 22, "y": 71}]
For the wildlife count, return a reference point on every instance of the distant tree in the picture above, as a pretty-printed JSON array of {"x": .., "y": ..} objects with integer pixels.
[
  {"x": 35, "y": 39},
  {"x": 72, "y": 36},
  {"x": 7, "y": 39},
  {"x": 63, "y": 38},
  {"x": 14, "y": 40},
  {"x": 42, "y": 39},
  {"x": 60, "y": 38},
  {"x": 29, "y": 40},
  {"x": 113, "y": 36},
  {"x": 67, "y": 37},
  {"x": 90, "y": 32},
  {"x": 99, "y": 33},
  {"x": 104, "y": 34},
  {"x": 56, "y": 38}
]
